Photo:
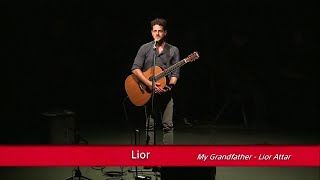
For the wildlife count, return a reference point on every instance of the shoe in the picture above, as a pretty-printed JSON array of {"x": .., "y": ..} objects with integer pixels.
[{"x": 187, "y": 121}]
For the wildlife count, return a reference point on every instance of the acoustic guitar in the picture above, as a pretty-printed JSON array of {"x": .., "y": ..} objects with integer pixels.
[{"x": 139, "y": 94}]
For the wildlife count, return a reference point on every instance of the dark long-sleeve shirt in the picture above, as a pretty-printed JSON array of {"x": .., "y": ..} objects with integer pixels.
[{"x": 145, "y": 55}]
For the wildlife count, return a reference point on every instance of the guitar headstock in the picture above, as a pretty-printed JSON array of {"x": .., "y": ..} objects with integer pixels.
[{"x": 192, "y": 57}]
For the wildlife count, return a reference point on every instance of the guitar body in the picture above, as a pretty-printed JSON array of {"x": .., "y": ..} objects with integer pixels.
[{"x": 138, "y": 93}]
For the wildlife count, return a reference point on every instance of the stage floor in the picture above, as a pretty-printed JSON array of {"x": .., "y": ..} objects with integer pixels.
[{"x": 205, "y": 133}]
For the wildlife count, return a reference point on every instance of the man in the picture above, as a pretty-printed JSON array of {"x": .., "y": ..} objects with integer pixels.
[{"x": 163, "y": 55}]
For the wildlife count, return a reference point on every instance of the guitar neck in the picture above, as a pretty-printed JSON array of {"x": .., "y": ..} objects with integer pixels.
[{"x": 170, "y": 69}]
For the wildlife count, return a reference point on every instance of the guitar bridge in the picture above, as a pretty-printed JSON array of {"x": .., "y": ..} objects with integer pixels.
[{"x": 141, "y": 88}]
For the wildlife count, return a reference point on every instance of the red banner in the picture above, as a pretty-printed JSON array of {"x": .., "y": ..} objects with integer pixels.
[{"x": 205, "y": 155}]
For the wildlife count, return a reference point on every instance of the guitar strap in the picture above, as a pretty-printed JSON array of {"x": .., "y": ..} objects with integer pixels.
[
  {"x": 167, "y": 51},
  {"x": 168, "y": 57}
]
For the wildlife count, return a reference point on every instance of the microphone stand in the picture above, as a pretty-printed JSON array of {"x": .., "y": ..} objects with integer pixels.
[
  {"x": 152, "y": 97},
  {"x": 155, "y": 47}
]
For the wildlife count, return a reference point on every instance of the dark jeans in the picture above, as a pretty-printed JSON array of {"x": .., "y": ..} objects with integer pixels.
[{"x": 163, "y": 109}]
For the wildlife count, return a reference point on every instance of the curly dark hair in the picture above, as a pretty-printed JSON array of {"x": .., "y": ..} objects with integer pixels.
[{"x": 160, "y": 22}]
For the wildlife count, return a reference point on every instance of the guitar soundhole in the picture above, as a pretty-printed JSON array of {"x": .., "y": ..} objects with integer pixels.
[{"x": 150, "y": 78}]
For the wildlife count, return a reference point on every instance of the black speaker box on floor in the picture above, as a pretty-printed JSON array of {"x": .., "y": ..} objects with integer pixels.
[{"x": 192, "y": 173}]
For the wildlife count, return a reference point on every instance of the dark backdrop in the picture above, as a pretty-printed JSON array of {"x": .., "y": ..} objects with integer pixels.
[{"x": 76, "y": 55}]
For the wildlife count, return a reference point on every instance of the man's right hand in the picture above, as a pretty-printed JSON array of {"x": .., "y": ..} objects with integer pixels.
[{"x": 157, "y": 88}]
